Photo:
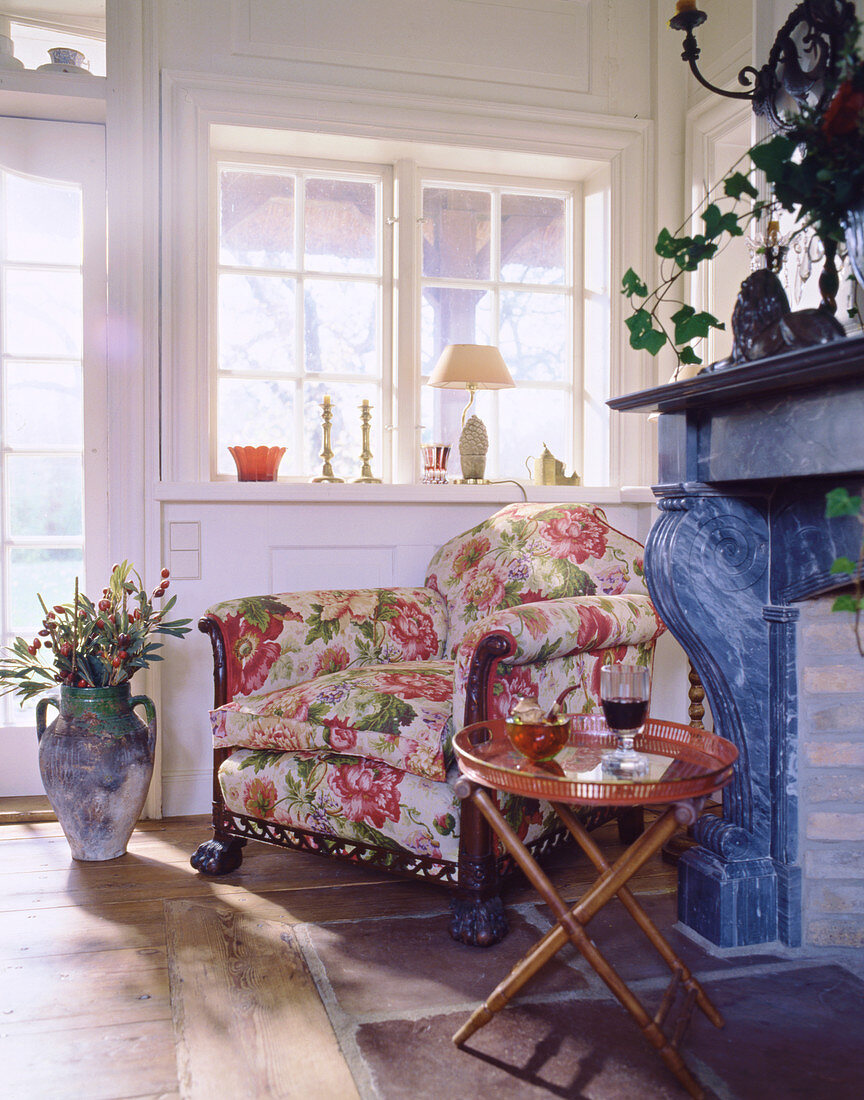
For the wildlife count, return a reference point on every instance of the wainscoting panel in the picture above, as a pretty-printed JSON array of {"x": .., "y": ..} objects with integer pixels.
[{"x": 302, "y": 568}]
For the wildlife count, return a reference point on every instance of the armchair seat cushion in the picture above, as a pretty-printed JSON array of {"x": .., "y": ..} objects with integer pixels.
[
  {"x": 349, "y": 797},
  {"x": 398, "y": 713}
]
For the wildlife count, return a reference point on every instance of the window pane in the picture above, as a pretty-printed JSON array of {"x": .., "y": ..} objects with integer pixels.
[
  {"x": 345, "y": 431},
  {"x": 456, "y": 230},
  {"x": 341, "y": 226},
  {"x": 255, "y": 414},
  {"x": 43, "y": 406},
  {"x": 441, "y": 416},
  {"x": 453, "y": 317},
  {"x": 44, "y": 495},
  {"x": 256, "y": 323},
  {"x": 43, "y": 313},
  {"x": 533, "y": 335},
  {"x": 48, "y": 572},
  {"x": 533, "y": 239},
  {"x": 43, "y": 221},
  {"x": 257, "y": 219},
  {"x": 341, "y": 327},
  {"x": 526, "y": 420}
]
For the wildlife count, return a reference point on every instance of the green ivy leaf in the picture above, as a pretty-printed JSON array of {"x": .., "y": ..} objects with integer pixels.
[
  {"x": 668, "y": 246},
  {"x": 738, "y": 184},
  {"x": 688, "y": 355},
  {"x": 643, "y": 335},
  {"x": 842, "y": 565},
  {"x": 717, "y": 223},
  {"x": 844, "y": 603},
  {"x": 690, "y": 325},
  {"x": 631, "y": 284},
  {"x": 700, "y": 248},
  {"x": 773, "y": 157},
  {"x": 839, "y": 502}
]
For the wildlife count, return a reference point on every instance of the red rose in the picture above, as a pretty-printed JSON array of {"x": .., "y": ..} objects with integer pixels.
[
  {"x": 614, "y": 656},
  {"x": 435, "y": 688},
  {"x": 576, "y": 537},
  {"x": 596, "y": 626},
  {"x": 342, "y": 739},
  {"x": 507, "y": 689},
  {"x": 367, "y": 793},
  {"x": 844, "y": 112},
  {"x": 414, "y": 632},
  {"x": 251, "y": 652}
]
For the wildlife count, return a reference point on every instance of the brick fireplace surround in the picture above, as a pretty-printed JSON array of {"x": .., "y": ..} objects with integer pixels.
[{"x": 738, "y": 565}]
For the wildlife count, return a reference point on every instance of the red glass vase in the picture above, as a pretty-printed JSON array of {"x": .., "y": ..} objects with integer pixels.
[{"x": 257, "y": 463}]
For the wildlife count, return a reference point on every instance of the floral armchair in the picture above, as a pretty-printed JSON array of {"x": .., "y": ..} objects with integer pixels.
[{"x": 335, "y": 710}]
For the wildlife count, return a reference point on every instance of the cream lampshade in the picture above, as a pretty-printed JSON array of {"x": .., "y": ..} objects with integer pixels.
[{"x": 472, "y": 367}]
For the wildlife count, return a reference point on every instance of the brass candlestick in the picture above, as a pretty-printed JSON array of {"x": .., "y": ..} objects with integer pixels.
[
  {"x": 326, "y": 450},
  {"x": 366, "y": 477}
]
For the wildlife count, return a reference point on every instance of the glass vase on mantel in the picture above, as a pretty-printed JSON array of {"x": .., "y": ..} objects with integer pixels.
[{"x": 853, "y": 224}]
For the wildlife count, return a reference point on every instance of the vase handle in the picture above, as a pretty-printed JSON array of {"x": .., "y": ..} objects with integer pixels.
[
  {"x": 41, "y": 708},
  {"x": 150, "y": 711}
]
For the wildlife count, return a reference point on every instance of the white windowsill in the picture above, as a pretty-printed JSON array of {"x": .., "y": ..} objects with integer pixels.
[{"x": 275, "y": 492}]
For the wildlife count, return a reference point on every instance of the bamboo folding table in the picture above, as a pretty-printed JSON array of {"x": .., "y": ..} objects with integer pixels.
[{"x": 686, "y": 766}]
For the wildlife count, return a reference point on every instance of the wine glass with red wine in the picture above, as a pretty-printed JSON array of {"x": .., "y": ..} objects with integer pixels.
[{"x": 624, "y": 694}]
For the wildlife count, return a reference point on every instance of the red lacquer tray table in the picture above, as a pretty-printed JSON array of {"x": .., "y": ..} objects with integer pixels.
[{"x": 686, "y": 766}]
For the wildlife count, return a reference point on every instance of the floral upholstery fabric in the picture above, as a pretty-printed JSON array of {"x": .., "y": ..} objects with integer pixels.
[
  {"x": 560, "y": 644},
  {"x": 343, "y": 704},
  {"x": 396, "y": 713},
  {"x": 274, "y": 642},
  {"x": 357, "y": 799},
  {"x": 526, "y": 553}
]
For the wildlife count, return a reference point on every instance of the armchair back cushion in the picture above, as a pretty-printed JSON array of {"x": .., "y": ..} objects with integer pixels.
[
  {"x": 275, "y": 642},
  {"x": 526, "y": 553}
]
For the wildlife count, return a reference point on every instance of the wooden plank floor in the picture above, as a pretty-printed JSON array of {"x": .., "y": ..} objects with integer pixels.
[{"x": 86, "y": 1010}]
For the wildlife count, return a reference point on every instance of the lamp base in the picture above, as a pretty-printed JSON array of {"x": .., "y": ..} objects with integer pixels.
[{"x": 471, "y": 481}]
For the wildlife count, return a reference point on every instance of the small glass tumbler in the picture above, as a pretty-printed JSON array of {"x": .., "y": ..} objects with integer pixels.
[{"x": 435, "y": 456}]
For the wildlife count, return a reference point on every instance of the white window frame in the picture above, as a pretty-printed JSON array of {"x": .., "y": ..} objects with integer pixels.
[
  {"x": 402, "y": 372},
  {"x": 572, "y": 289}
]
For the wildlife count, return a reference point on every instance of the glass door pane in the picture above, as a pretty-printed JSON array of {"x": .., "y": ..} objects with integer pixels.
[{"x": 52, "y": 387}]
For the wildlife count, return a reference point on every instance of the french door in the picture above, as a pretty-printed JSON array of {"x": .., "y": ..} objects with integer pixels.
[{"x": 53, "y": 414}]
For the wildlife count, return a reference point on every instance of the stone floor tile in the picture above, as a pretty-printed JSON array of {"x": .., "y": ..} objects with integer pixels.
[{"x": 412, "y": 964}]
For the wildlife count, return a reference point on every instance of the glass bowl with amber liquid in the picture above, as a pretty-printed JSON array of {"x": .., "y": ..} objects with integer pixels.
[{"x": 538, "y": 741}]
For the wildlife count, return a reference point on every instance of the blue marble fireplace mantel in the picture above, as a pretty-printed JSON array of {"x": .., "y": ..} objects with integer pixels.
[{"x": 746, "y": 457}]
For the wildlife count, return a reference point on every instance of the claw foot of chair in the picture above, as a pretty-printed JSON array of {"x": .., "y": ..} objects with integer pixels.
[
  {"x": 477, "y": 923},
  {"x": 218, "y": 856}
]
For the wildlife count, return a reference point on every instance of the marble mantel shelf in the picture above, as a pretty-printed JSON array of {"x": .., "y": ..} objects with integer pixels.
[
  {"x": 746, "y": 457},
  {"x": 795, "y": 370}
]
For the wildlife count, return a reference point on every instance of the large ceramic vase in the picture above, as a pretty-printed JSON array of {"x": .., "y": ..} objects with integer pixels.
[
  {"x": 853, "y": 225},
  {"x": 96, "y": 760}
]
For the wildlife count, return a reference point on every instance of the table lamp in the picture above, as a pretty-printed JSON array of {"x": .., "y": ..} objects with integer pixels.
[{"x": 471, "y": 367}]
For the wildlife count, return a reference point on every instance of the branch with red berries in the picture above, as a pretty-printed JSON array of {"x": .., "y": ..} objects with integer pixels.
[{"x": 93, "y": 645}]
